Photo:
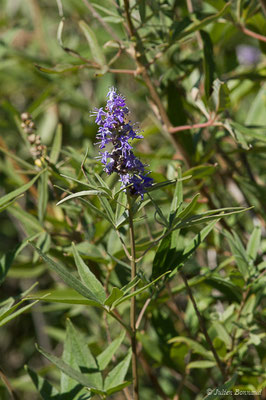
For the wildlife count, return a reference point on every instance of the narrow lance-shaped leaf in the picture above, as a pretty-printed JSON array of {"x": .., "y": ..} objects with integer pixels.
[
  {"x": 5, "y": 320},
  {"x": 190, "y": 248},
  {"x": 77, "y": 354},
  {"x": 46, "y": 390},
  {"x": 114, "y": 296},
  {"x": 7, "y": 259},
  {"x": 105, "y": 357},
  {"x": 117, "y": 375},
  {"x": 89, "y": 279},
  {"x": 96, "y": 50},
  {"x": 68, "y": 370},
  {"x": 80, "y": 194},
  {"x": 239, "y": 253},
  {"x": 15, "y": 193},
  {"x": 254, "y": 243},
  {"x": 125, "y": 298},
  {"x": 68, "y": 278}
]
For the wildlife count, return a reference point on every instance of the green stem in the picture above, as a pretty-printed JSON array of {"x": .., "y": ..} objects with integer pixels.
[{"x": 133, "y": 302}]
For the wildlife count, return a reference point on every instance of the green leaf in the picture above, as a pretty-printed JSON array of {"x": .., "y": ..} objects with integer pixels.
[
  {"x": 64, "y": 296},
  {"x": 206, "y": 21},
  {"x": 88, "y": 278},
  {"x": 202, "y": 364},
  {"x": 8, "y": 315},
  {"x": 249, "y": 131},
  {"x": 7, "y": 259},
  {"x": 208, "y": 63},
  {"x": 239, "y": 252},
  {"x": 189, "y": 208},
  {"x": 236, "y": 134},
  {"x": 80, "y": 194},
  {"x": 207, "y": 216},
  {"x": 193, "y": 345},
  {"x": 222, "y": 333},
  {"x": 105, "y": 357},
  {"x": 29, "y": 222},
  {"x": 142, "y": 10},
  {"x": 57, "y": 143},
  {"x": 254, "y": 243},
  {"x": 89, "y": 251},
  {"x": 78, "y": 356},
  {"x": 115, "y": 295},
  {"x": 117, "y": 375},
  {"x": 46, "y": 390},
  {"x": 256, "y": 113},
  {"x": 220, "y": 98},
  {"x": 15, "y": 193},
  {"x": 159, "y": 263},
  {"x": 200, "y": 171},
  {"x": 96, "y": 49},
  {"x": 108, "y": 209},
  {"x": 130, "y": 285},
  {"x": 67, "y": 277},
  {"x": 221, "y": 389},
  {"x": 71, "y": 372},
  {"x": 181, "y": 257},
  {"x": 125, "y": 298},
  {"x": 178, "y": 193}
]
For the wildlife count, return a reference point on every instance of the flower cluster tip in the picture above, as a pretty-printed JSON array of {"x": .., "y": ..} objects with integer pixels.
[{"x": 116, "y": 133}]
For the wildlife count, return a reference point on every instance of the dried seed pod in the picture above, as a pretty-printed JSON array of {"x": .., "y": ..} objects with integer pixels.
[
  {"x": 24, "y": 116},
  {"x": 32, "y": 138}
]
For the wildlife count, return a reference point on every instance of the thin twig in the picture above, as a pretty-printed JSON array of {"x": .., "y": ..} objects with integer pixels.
[
  {"x": 211, "y": 122},
  {"x": 134, "y": 72},
  {"x": 202, "y": 325},
  {"x": 142, "y": 312},
  {"x": 248, "y": 32}
]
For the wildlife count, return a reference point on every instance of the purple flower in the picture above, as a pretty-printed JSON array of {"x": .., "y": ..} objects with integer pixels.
[
  {"x": 248, "y": 55},
  {"x": 116, "y": 132}
]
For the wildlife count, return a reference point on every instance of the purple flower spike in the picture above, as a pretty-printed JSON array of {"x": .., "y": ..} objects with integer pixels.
[{"x": 117, "y": 132}]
